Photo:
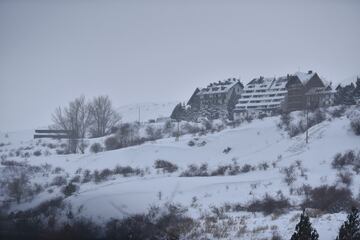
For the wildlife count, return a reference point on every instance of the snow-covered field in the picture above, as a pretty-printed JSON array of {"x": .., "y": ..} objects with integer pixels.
[{"x": 251, "y": 143}]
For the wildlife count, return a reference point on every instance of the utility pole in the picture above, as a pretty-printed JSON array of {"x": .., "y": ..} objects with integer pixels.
[
  {"x": 139, "y": 114},
  {"x": 178, "y": 131},
  {"x": 307, "y": 121}
]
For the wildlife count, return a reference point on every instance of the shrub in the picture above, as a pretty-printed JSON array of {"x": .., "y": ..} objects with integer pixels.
[
  {"x": 191, "y": 143},
  {"x": 37, "y": 153},
  {"x": 269, "y": 205},
  {"x": 231, "y": 169},
  {"x": 168, "y": 127},
  {"x": 75, "y": 179},
  {"x": 330, "y": 199},
  {"x": 69, "y": 189},
  {"x": 221, "y": 170},
  {"x": 105, "y": 173},
  {"x": 290, "y": 175},
  {"x": 153, "y": 133},
  {"x": 127, "y": 171},
  {"x": 249, "y": 118},
  {"x": 51, "y": 145},
  {"x": 246, "y": 168},
  {"x": 345, "y": 178},
  {"x": 111, "y": 143},
  {"x": 337, "y": 111},
  {"x": 79, "y": 228},
  {"x": 263, "y": 166},
  {"x": 227, "y": 150},
  {"x": 262, "y": 116},
  {"x": 12, "y": 163},
  {"x": 301, "y": 123},
  {"x": 355, "y": 126},
  {"x": 170, "y": 225},
  {"x": 354, "y": 117},
  {"x": 87, "y": 177},
  {"x": 58, "y": 181},
  {"x": 97, "y": 177},
  {"x": 276, "y": 236},
  {"x": 201, "y": 144},
  {"x": 285, "y": 120},
  {"x": 18, "y": 187},
  {"x": 195, "y": 171},
  {"x": 57, "y": 170},
  {"x": 189, "y": 128},
  {"x": 165, "y": 166},
  {"x": 342, "y": 160},
  {"x": 61, "y": 152},
  {"x": 96, "y": 147}
]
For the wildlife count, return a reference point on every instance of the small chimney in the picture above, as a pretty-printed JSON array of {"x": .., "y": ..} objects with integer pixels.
[{"x": 310, "y": 72}]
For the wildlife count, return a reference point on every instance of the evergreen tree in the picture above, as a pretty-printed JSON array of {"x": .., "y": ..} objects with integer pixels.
[
  {"x": 339, "y": 96},
  {"x": 357, "y": 88},
  {"x": 178, "y": 113},
  {"x": 304, "y": 230},
  {"x": 348, "y": 92},
  {"x": 350, "y": 230}
]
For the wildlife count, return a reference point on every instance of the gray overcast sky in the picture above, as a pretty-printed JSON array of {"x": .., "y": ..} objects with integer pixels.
[{"x": 139, "y": 51}]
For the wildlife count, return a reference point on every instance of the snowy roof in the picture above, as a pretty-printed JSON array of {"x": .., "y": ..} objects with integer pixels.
[
  {"x": 266, "y": 83},
  {"x": 305, "y": 77},
  {"x": 219, "y": 87},
  {"x": 261, "y": 80}
]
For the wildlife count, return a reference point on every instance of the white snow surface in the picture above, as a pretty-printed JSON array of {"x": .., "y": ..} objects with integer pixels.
[{"x": 251, "y": 143}]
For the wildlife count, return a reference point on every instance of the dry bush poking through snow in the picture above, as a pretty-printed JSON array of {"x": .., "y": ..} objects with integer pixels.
[
  {"x": 96, "y": 147},
  {"x": 166, "y": 166},
  {"x": 269, "y": 205},
  {"x": 330, "y": 199},
  {"x": 290, "y": 175},
  {"x": 345, "y": 178},
  {"x": 196, "y": 171},
  {"x": 354, "y": 116}
]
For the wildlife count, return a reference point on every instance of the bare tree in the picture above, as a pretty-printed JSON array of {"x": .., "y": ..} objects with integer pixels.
[
  {"x": 103, "y": 115},
  {"x": 75, "y": 118}
]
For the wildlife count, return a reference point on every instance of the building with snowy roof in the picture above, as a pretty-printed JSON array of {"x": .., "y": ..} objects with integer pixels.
[
  {"x": 287, "y": 93},
  {"x": 307, "y": 90},
  {"x": 261, "y": 95},
  {"x": 217, "y": 100}
]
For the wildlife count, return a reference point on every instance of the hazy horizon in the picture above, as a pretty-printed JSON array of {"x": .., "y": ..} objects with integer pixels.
[{"x": 137, "y": 51}]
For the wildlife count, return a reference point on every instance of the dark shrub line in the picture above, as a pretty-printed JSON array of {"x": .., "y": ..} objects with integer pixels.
[
  {"x": 100, "y": 176},
  {"x": 194, "y": 170},
  {"x": 166, "y": 166}
]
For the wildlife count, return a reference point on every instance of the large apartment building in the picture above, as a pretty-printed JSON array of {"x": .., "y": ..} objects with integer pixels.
[
  {"x": 287, "y": 93},
  {"x": 261, "y": 95}
]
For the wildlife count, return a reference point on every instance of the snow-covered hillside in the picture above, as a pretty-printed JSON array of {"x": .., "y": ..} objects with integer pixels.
[
  {"x": 130, "y": 113},
  {"x": 255, "y": 143}
]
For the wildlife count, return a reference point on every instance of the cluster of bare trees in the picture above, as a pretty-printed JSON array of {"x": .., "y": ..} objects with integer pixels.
[{"x": 94, "y": 119}]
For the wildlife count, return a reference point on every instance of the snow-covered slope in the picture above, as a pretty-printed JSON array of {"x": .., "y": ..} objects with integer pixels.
[
  {"x": 251, "y": 143},
  {"x": 130, "y": 113}
]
